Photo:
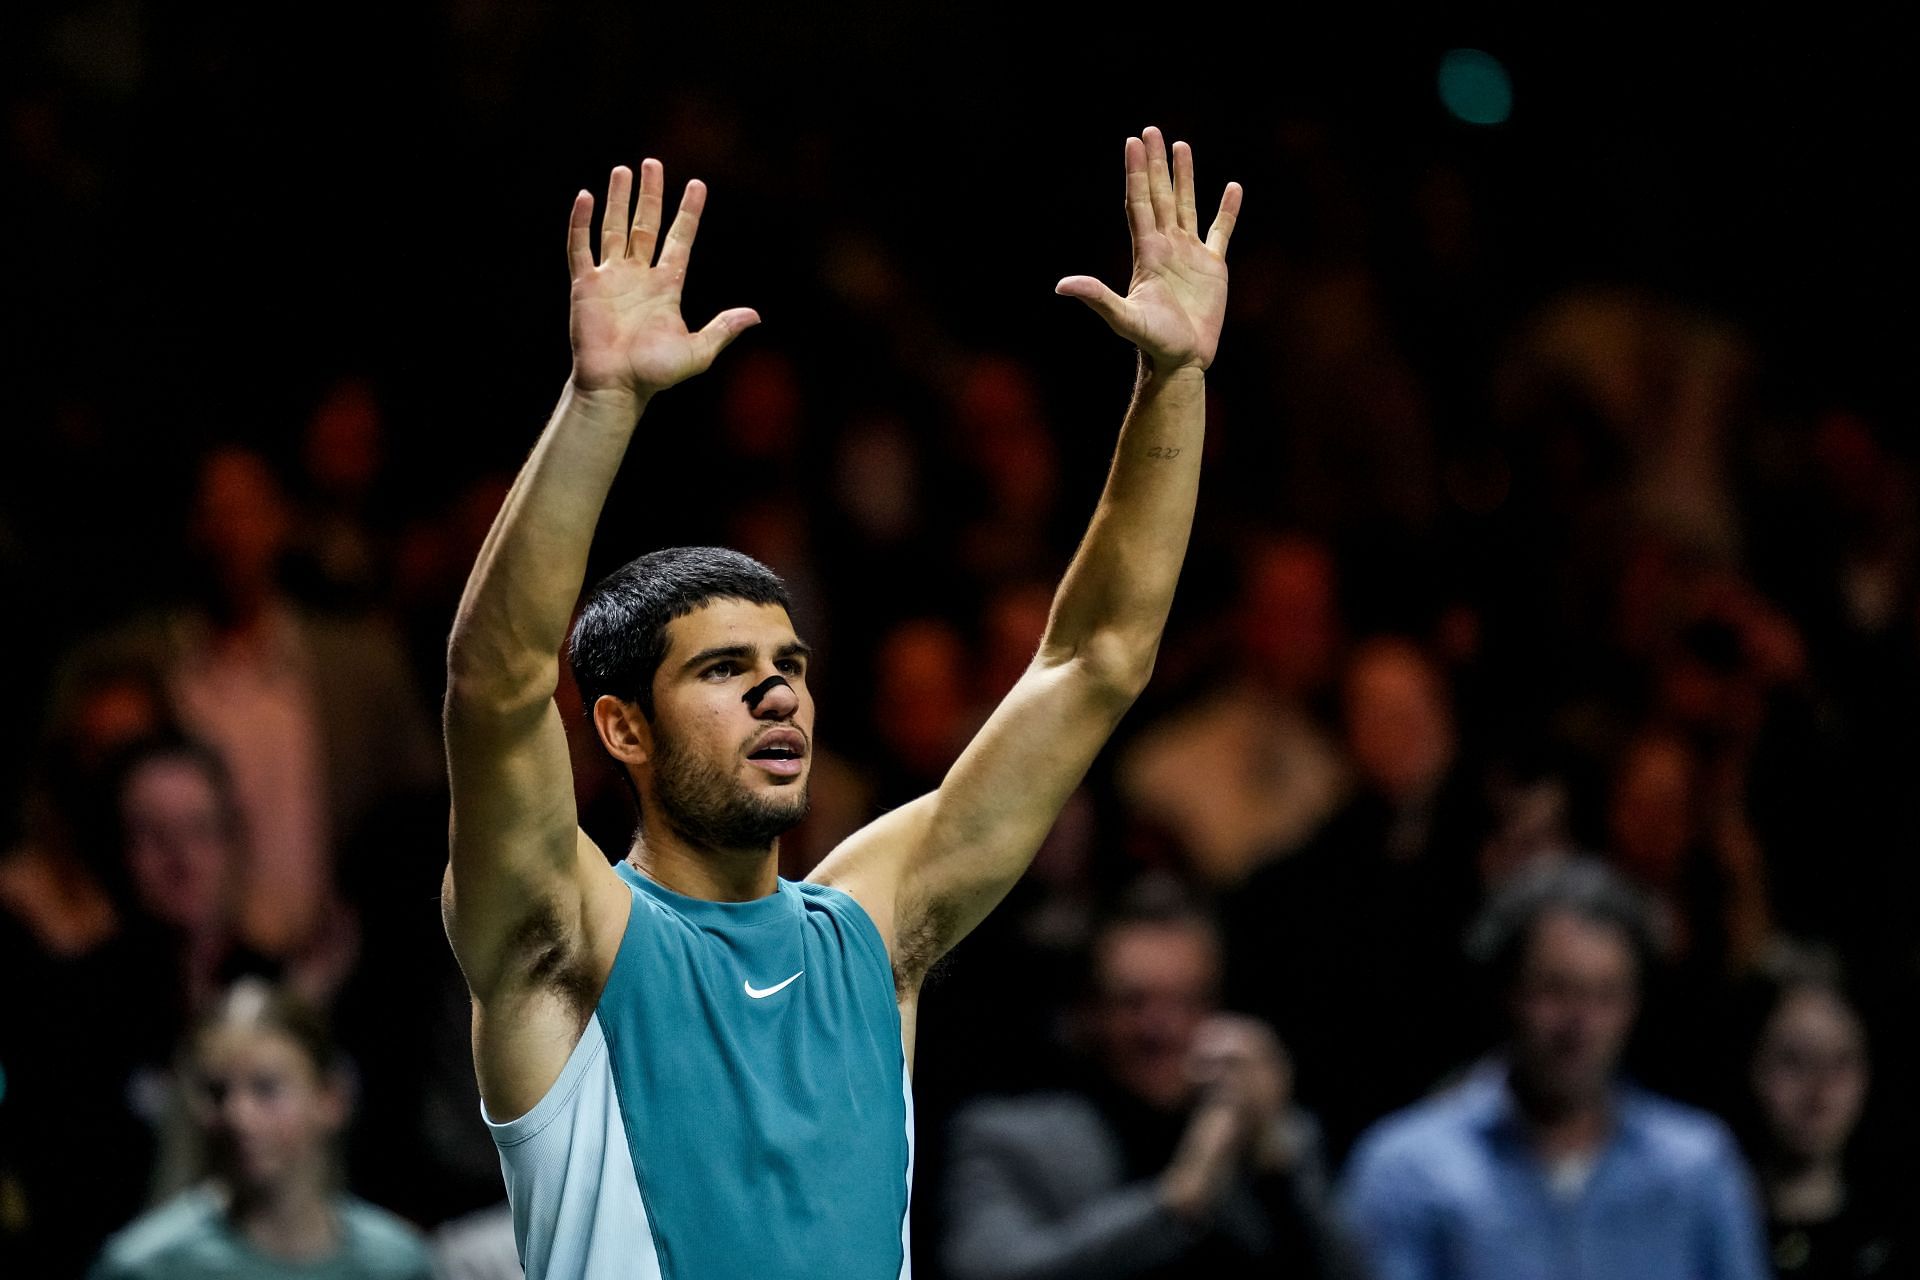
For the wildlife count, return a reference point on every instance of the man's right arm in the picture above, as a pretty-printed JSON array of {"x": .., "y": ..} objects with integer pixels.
[{"x": 525, "y": 889}]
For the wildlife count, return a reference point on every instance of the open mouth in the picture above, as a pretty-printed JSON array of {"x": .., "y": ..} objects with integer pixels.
[{"x": 781, "y": 753}]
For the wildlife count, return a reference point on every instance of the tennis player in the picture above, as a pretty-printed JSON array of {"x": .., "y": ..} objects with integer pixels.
[{"x": 692, "y": 1067}]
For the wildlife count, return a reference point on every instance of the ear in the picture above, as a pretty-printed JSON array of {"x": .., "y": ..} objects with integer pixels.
[{"x": 623, "y": 731}]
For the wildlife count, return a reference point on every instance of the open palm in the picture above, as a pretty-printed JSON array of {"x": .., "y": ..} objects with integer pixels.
[
  {"x": 1177, "y": 298},
  {"x": 628, "y": 334}
]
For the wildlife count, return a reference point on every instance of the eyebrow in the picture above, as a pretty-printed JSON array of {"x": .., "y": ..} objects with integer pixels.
[{"x": 795, "y": 648}]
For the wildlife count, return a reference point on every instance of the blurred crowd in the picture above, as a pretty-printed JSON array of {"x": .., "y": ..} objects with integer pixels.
[{"x": 1535, "y": 739}]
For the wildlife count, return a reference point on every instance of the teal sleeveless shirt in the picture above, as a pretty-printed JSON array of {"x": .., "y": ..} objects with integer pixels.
[{"x": 738, "y": 1105}]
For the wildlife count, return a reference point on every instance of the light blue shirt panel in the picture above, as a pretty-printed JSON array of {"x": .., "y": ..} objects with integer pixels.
[{"x": 577, "y": 1212}]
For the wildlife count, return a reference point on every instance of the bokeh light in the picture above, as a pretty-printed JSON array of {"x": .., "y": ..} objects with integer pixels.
[{"x": 1475, "y": 87}]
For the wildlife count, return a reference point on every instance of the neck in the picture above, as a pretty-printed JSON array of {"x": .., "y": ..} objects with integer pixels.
[
  {"x": 1806, "y": 1191},
  {"x": 717, "y": 875},
  {"x": 1566, "y": 1125},
  {"x": 293, "y": 1220}
]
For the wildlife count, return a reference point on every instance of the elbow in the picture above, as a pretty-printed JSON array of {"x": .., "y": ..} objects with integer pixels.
[
  {"x": 1117, "y": 665},
  {"x": 483, "y": 680}
]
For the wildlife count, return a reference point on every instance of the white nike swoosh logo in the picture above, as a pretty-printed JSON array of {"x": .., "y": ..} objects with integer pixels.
[{"x": 761, "y": 993}]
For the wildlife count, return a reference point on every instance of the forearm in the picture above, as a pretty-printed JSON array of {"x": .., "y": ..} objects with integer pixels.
[
  {"x": 1113, "y": 602},
  {"x": 514, "y": 612}
]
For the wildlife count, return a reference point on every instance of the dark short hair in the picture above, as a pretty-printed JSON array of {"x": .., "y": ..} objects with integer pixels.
[
  {"x": 1154, "y": 901},
  {"x": 1583, "y": 887},
  {"x": 620, "y": 638}
]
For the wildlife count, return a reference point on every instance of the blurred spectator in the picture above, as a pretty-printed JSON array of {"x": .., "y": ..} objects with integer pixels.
[
  {"x": 315, "y": 717},
  {"x": 89, "y": 1073},
  {"x": 340, "y": 553},
  {"x": 1664, "y": 381},
  {"x": 1002, "y": 438},
  {"x": 1352, "y": 947},
  {"x": 1181, "y": 1154},
  {"x": 268, "y": 1097},
  {"x": 1246, "y": 772},
  {"x": 1542, "y": 1163},
  {"x": 1829, "y": 1216},
  {"x": 1359, "y": 458},
  {"x": 922, "y": 710},
  {"x": 51, "y": 899},
  {"x": 1691, "y": 851}
]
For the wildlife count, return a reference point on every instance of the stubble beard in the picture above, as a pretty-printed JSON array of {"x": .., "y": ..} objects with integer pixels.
[{"x": 708, "y": 809}]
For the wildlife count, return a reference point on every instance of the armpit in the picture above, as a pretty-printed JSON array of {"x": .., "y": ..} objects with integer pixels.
[{"x": 544, "y": 953}]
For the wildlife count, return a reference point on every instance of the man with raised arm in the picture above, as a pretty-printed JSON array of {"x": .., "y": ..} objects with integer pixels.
[{"x": 692, "y": 1067}]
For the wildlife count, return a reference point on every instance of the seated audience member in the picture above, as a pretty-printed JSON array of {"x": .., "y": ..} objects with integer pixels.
[
  {"x": 97, "y": 1029},
  {"x": 1543, "y": 1163},
  {"x": 1180, "y": 1155},
  {"x": 1246, "y": 772},
  {"x": 268, "y": 1099},
  {"x": 1808, "y": 1072},
  {"x": 314, "y": 716},
  {"x": 1352, "y": 947}
]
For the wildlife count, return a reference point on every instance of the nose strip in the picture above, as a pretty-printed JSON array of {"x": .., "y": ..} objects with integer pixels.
[{"x": 753, "y": 696}]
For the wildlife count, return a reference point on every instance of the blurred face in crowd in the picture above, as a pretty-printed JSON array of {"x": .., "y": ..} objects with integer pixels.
[
  {"x": 179, "y": 838},
  {"x": 921, "y": 702},
  {"x": 345, "y": 443},
  {"x": 1289, "y": 615},
  {"x": 1156, "y": 984},
  {"x": 1810, "y": 1075},
  {"x": 240, "y": 517},
  {"x": 1573, "y": 1007},
  {"x": 1650, "y": 812},
  {"x": 268, "y": 1110},
  {"x": 1399, "y": 726},
  {"x": 1000, "y": 416}
]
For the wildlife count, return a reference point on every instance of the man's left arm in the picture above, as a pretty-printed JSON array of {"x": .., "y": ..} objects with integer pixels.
[{"x": 931, "y": 870}]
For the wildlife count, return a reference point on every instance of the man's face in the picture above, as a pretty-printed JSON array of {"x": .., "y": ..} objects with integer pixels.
[
  {"x": 1573, "y": 1008},
  {"x": 725, "y": 774},
  {"x": 1157, "y": 984}
]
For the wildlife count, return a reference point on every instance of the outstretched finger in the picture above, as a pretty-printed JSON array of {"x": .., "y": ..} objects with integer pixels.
[
  {"x": 718, "y": 333},
  {"x": 1183, "y": 188},
  {"x": 1139, "y": 203},
  {"x": 613, "y": 219},
  {"x": 1159, "y": 181},
  {"x": 1103, "y": 300},
  {"x": 580, "y": 236},
  {"x": 679, "y": 245},
  {"x": 1223, "y": 221},
  {"x": 646, "y": 215}
]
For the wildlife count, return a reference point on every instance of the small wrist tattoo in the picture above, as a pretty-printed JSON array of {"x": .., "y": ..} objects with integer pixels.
[{"x": 1163, "y": 451}]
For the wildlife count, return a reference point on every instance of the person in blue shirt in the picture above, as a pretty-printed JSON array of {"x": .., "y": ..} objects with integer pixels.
[
  {"x": 692, "y": 1067},
  {"x": 1543, "y": 1163}
]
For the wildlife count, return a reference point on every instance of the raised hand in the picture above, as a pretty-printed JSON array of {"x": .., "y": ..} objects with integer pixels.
[
  {"x": 1178, "y": 296},
  {"x": 628, "y": 335}
]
